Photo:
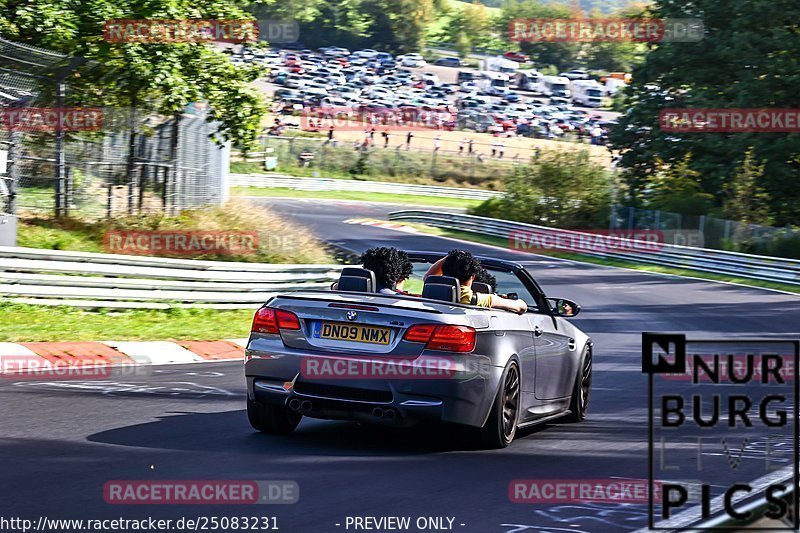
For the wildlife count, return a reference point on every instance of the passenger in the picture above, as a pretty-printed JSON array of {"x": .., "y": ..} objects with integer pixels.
[
  {"x": 484, "y": 277},
  {"x": 391, "y": 266},
  {"x": 463, "y": 266}
]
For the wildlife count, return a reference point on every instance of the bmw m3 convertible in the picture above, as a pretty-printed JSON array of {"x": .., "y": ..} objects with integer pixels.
[{"x": 355, "y": 354}]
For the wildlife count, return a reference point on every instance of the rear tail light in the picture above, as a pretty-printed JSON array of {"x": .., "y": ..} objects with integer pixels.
[
  {"x": 287, "y": 319},
  {"x": 269, "y": 320},
  {"x": 419, "y": 332},
  {"x": 443, "y": 337}
]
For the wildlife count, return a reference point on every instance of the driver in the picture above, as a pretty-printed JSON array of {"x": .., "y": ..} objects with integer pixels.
[
  {"x": 391, "y": 266},
  {"x": 463, "y": 266}
]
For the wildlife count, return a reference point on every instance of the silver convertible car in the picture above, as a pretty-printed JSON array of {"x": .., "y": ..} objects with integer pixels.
[{"x": 356, "y": 354}]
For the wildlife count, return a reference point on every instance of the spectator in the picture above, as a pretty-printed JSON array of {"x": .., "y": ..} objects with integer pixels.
[
  {"x": 469, "y": 146},
  {"x": 597, "y": 134},
  {"x": 501, "y": 150},
  {"x": 461, "y": 146},
  {"x": 437, "y": 143},
  {"x": 409, "y": 136},
  {"x": 385, "y": 138}
]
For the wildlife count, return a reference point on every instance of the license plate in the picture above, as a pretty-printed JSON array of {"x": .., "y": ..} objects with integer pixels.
[{"x": 352, "y": 332}]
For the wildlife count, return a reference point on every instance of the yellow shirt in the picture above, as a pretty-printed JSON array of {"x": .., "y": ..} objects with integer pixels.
[{"x": 482, "y": 300}]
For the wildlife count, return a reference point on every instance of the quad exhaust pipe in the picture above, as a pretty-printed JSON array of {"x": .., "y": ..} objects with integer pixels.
[
  {"x": 304, "y": 406},
  {"x": 389, "y": 415}
]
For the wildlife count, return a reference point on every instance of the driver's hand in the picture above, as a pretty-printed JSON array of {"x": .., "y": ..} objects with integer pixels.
[{"x": 523, "y": 307}]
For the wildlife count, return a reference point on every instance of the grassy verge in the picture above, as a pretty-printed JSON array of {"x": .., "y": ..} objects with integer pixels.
[
  {"x": 356, "y": 195},
  {"x": 279, "y": 240},
  {"x": 487, "y": 177},
  {"x": 30, "y": 323},
  {"x": 503, "y": 243}
]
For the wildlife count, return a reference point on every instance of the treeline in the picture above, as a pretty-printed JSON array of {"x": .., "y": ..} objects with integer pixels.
[
  {"x": 402, "y": 26},
  {"x": 747, "y": 59},
  {"x": 392, "y": 25},
  {"x": 475, "y": 25}
]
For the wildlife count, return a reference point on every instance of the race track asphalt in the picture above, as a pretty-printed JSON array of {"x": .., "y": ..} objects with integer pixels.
[{"x": 61, "y": 441}]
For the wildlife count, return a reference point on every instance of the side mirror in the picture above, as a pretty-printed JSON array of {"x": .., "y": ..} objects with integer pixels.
[{"x": 564, "y": 308}]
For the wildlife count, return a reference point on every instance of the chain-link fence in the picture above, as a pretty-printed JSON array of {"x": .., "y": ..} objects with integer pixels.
[
  {"x": 711, "y": 232},
  {"x": 134, "y": 162}
]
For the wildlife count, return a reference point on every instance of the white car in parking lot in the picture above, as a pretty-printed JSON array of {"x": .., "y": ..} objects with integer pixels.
[{"x": 411, "y": 60}]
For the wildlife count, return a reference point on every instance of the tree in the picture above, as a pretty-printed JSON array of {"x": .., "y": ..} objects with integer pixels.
[
  {"x": 153, "y": 77},
  {"x": 747, "y": 59},
  {"x": 562, "y": 55},
  {"x": 677, "y": 189},
  {"x": 746, "y": 200},
  {"x": 463, "y": 45},
  {"x": 564, "y": 189}
]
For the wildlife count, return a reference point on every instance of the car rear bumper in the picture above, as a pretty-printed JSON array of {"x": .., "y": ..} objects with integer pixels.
[{"x": 463, "y": 396}]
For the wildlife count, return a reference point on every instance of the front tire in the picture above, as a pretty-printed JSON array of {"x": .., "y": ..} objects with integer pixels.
[
  {"x": 272, "y": 418},
  {"x": 501, "y": 427},
  {"x": 579, "y": 403}
]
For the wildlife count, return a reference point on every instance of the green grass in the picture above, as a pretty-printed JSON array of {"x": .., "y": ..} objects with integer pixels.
[
  {"x": 65, "y": 234},
  {"x": 30, "y": 323},
  {"x": 356, "y": 195},
  {"x": 36, "y": 199},
  {"x": 503, "y": 243}
]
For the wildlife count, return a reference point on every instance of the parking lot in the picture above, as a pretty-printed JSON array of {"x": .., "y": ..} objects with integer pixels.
[{"x": 364, "y": 93}]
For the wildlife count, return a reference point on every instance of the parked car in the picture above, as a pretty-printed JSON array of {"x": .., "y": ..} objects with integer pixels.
[
  {"x": 517, "y": 56},
  {"x": 449, "y": 62}
]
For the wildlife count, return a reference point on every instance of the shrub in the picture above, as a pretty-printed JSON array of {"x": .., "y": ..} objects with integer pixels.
[{"x": 563, "y": 189}]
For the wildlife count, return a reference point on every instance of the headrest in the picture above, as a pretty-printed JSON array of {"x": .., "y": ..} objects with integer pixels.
[
  {"x": 442, "y": 288},
  {"x": 356, "y": 280},
  {"x": 483, "y": 288}
]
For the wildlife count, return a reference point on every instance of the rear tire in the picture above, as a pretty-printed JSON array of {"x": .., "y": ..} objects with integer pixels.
[
  {"x": 579, "y": 403},
  {"x": 501, "y": 427},
  {"x": 272, "y": 418}
]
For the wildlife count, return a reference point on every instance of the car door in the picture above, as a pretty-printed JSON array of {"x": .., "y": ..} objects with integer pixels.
[
  {"x": 555, "y": 360},
  {"x": 513, "y": 335}
]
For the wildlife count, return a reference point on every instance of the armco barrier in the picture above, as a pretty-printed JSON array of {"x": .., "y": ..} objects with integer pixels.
[
  {"x": 327, "y": 184},
  {"x": 700, "y": 259},
  {"x": 110, "y": 280}
]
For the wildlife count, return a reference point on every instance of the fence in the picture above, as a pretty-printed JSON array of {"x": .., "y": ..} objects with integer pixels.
[
  {"x": 699, "y": 259},
  {"x": 31, "y": 275},
  {"x": 350, "y": 159},
  {"x": 137, "y": 162},
  {"x": 713, "y": 232},
  {"x": 326, "y": 184}
]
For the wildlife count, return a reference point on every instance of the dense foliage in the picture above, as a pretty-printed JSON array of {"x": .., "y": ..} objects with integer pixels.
[
  {"x": 564, "y": 189},
  {"x": 747, "y": 59}
]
